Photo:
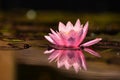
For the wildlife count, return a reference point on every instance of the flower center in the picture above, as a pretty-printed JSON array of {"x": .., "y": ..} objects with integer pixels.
[{"x": 71, "y": 39}]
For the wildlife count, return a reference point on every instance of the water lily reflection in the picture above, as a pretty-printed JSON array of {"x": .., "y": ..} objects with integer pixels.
[{"x": 70, "y": 58}]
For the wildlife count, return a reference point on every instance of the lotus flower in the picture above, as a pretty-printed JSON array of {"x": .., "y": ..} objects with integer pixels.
[
  {"x": 70, "y": 36},
  {"x": 70, "y": 58}
]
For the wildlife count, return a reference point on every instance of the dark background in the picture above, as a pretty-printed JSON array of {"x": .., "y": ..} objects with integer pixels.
[{"x": 65, "y": 5}]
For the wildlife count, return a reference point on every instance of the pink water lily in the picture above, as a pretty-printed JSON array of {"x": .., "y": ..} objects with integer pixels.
[{"x": 70, "y": 35}]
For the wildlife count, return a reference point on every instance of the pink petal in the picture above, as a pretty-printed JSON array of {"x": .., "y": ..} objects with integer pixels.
[
  {"x": 60, "y": 64},
  {"x": 55, "y": 33},
  {"x": 83, "y": 60},
  {"x": 78, "y": 59},
  {"x": 85, "y": 30},
  {"x": 61, "y": 27},
  {"x": 92, "y": 52},
  {"x": 92, "y": 42},
  {"x": 64, "y": 38},
  {"x": 76, "y": 67},
  {"x": 78, "y": 38},
  {"x": 61, "y": 59},
  {"x": 54, "y": 55},
  {"x": 49, "y": 51},
  {"x": 61, "y": 37},
  {"x": 54, "y": 38},
  {"x": 49, "y": 39},
  {"x": 69, "y": 26},
  {"x": 77, "y": 26},
  {"x": 57, "y": 40},
  {"x": 71, "y": 56},
  {"x": 67, "y": 65},
  {"x": 57, "y": 37}
]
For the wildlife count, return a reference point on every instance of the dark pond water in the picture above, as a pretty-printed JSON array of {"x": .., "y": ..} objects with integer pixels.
[{"x": 22, "y": 55}]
